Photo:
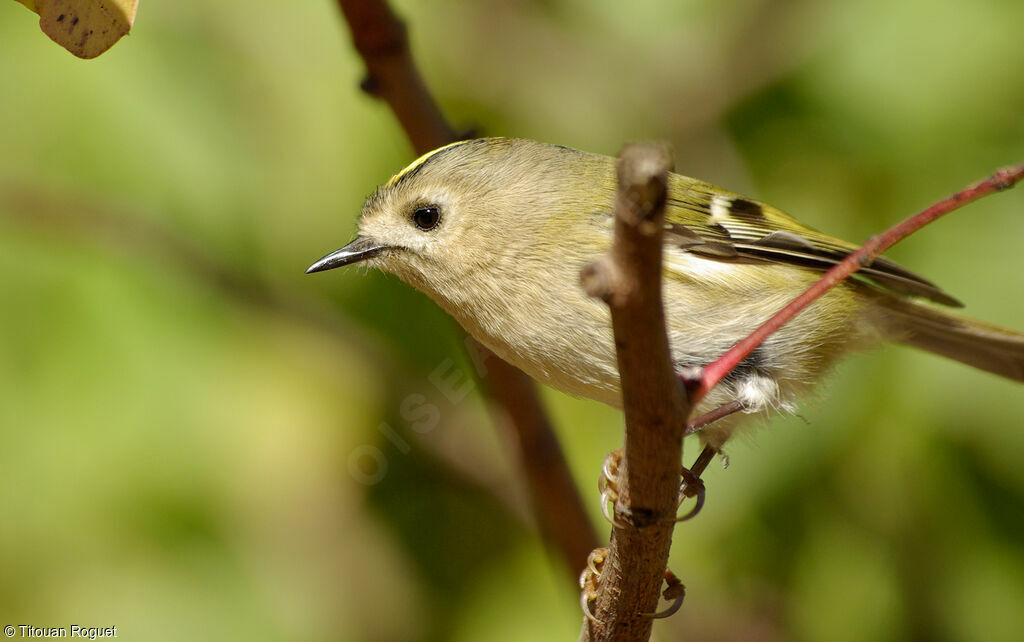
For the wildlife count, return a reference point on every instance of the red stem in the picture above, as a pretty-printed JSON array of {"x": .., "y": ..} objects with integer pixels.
[{"x": 715, "y": 372}]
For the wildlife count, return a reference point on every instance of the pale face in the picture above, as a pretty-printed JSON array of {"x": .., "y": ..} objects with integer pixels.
[
  {"x": 460, "y": 211},
  {"x": 410, "y": 225}
]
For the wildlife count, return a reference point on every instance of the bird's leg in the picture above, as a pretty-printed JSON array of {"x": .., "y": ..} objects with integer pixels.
[
  {"x": 699, "y": 423},
  {"x": 692, "y": 486}
]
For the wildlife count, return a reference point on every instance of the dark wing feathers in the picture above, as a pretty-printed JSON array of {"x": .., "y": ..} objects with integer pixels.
[
  {"x": 724, "y": 226},
  {"x": 716, "y": 244}
]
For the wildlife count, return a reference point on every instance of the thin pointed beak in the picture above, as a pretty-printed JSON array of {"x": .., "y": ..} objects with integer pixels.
[{"x": 358, "y": 250}]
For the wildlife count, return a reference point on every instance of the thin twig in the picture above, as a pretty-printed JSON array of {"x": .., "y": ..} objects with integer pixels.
[
  {"x": 713, "y": 374},
  {"x": 628, "y": 278},
  {"x": 381, "y": 39}
]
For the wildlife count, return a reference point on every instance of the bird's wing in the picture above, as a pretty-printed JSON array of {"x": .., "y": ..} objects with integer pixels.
[{"x": 715, "y": 224}]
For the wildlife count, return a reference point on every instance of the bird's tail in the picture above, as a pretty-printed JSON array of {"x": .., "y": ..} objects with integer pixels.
[{"x": 976, "y": 343}]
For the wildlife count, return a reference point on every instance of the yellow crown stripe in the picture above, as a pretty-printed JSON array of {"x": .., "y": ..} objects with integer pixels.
[{"x": 419, "y": 162}]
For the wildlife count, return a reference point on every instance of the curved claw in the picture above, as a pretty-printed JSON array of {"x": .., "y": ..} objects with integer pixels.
[
  {"x": 585, "y": 601},
  {"x": 608, "y": 499},
  {"x": 610, "y": 466},
  {"x": 677, "y": 603},
  {"x": 595, "y": 560},
  {"x": 606, "y": 510},
  {"x": 670, "y": 611},
  {"x": 589, "y": 578},
  {"x": 700, "y": 493},
  {"x": 609, "y": 487},
  {"x": 675, "y": 591},
  {"x": 691, "y": 486}
]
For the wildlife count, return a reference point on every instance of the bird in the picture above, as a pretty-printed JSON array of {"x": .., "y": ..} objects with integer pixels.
[{"x": 497, "y": 230}]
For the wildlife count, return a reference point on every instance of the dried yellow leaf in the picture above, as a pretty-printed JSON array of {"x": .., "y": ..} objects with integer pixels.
[{"x": 86, "y": 28}]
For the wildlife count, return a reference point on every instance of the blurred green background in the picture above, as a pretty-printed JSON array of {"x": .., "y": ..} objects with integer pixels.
[{"x": 199, "y": 442}]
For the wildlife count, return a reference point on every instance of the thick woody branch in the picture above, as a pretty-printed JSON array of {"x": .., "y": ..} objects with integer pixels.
[
  {"x": 629, "y": 280},
  {"x": 381, "y": 39},
  {"x": 714, "y": 373}
]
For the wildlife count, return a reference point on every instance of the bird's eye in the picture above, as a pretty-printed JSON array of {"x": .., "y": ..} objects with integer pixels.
[{"x": 426, "y": 218}]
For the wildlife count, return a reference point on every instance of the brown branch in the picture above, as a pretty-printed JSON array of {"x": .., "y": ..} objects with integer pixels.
[
  {"x": 713, "y": 374},
  {"x": 381, "y": 39},
  {"x": 629, "y": 281},
  {"x": 554, "y": 496}
]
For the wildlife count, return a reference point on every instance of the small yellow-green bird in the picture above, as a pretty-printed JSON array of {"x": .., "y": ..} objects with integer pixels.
[{"x": 496, "y": 231}]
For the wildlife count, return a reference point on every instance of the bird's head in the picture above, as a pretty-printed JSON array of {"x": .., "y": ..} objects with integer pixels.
[{"x": 470, "y": 209}]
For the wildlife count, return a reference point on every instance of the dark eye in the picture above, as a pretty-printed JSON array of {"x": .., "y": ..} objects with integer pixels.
[{"x": 426, "y": 218}]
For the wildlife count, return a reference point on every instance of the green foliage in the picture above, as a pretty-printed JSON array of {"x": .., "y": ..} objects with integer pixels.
[{"x": 176, "y": 450}]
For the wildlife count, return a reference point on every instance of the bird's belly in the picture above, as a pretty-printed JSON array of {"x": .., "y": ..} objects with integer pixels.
[{"x": 569, "y": 344}]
